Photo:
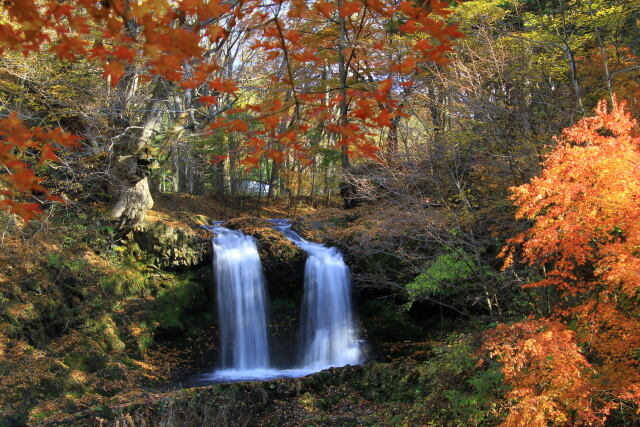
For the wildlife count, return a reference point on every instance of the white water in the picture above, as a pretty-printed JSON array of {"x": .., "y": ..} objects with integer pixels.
[
  {"x": 328, "y": 333},
  {"x": 327, "y": 330},
  {"x": 242, "y": 305}
]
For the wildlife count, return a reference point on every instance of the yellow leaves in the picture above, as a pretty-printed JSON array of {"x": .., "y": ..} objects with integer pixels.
[{"x": 143, "y": 7}]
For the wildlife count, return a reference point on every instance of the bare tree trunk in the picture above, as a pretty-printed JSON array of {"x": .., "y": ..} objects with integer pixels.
[
  {"x": 313, "y": 181},
  {"x": 233, "y": 162},
  {"x": 219, "y": 180},
  {"x": 603, "y": 53},
  {"x": 275, "y": 166},
  {"x": 392, "y": 138},
  {"x": 342, "y": 75},
  {"x": 573, "y": 74}
]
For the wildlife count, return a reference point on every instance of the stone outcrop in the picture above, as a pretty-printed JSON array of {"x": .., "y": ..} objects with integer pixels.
[
  {"x": 169, "y": 247},
  {"x": 282, "y": 261}
]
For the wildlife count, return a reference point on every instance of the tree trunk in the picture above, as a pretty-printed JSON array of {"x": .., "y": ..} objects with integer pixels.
[
  {"x": 342, "y": 75},
  {"x": 128, "y": 177},
  {"x": 392, "y": 138},
  {"x": 573, "y": 74},
  {"x": 219, "y": 180}
]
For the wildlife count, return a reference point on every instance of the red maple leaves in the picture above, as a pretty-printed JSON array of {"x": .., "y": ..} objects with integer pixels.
[
  {"x": 19, "y": 180},
  {"x": 158, "y": 37}
]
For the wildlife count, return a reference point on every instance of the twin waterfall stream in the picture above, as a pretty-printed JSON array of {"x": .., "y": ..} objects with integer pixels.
[{"x": 327, "y": 331}]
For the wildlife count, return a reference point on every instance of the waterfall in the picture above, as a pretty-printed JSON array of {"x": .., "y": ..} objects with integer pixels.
[
  {"x": 328, "y": 335},
  {"x": 327, "y": 330},
  {"x": 242, "y": 302}
]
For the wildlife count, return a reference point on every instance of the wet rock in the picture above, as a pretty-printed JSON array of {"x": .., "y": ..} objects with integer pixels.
[{"x": 282, "y": 261}]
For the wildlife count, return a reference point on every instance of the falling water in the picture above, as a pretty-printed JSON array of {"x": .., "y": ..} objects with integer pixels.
[
  {"x": 329, "y": 338},
  {"x": 327, "y": 330},
  {"x": 241, "y": 304}
]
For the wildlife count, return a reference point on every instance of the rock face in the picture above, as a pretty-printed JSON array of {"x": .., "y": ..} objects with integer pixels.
[
  {"x": 282, "y": 261},
  {"x": 171, "y": 248}
]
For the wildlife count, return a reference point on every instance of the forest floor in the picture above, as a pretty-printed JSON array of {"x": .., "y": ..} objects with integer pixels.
[{"x": 78, "y": 315}]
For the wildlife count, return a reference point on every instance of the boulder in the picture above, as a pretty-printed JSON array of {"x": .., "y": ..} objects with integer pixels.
[{"x": 169, "y": 247}]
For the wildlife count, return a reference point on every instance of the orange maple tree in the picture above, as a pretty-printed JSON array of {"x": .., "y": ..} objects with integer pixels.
[
  {"x": 165, "y": 38},
  {"x": 581, "y": 363}
]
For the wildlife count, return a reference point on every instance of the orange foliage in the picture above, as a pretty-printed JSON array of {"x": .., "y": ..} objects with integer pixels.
[
  {"x": 585, "y": 209},
  {"x": 154, "y": 35},
  {"x": 549, "y": 376},
  {"x": 19, "y": 179}
]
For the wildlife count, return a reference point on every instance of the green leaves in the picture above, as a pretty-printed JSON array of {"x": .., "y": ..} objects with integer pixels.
[{"x": 447, "y": 269}]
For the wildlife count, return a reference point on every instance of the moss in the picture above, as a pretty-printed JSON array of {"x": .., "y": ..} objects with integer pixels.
[
  {"x": 402, "y": 392},
  {"x": 86, "y": 361},
  {"x": 384, "y": 323},
  {"x": 169, "y": 247},
  {"x": 106, "y": 332},
  {"x": 73, "y": 320},
  {"x": 180, "y": 306}
]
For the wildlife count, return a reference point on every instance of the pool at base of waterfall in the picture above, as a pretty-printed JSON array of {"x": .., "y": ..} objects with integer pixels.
[{"x": 238, "y": 375}]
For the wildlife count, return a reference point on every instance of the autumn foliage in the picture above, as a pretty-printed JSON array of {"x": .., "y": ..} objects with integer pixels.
[
  {"x": 174, "y": 40},
  {"x": 581, "y": 363},
  {"x": 16, "y": 140}
]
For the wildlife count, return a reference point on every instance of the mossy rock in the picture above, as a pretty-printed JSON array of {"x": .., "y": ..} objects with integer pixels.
[
  {"x": 169, "y": 247},
  {"x": 313, "y": 231},
  {"x": 86, "y": 361},
  {"x": 106, "y": 331},
  {"x": 282, "y": 261}
]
